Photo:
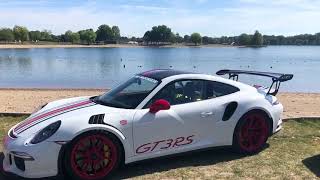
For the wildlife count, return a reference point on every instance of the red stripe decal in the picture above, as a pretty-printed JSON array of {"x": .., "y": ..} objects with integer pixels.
[{"x": 22, "y": 125}]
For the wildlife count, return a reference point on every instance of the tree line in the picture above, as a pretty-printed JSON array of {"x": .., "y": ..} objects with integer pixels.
[
  {"x": 257, "y": 39},
  {"x": 162, "y": 35},
  {"x": 104, "y": 34},
  {"x": 158, "y": 35}
]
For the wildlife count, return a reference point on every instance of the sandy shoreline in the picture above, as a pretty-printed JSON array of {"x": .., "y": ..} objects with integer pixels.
[
  {"x": 30, "y": 46},
  {"x": 26, "y": 100}
]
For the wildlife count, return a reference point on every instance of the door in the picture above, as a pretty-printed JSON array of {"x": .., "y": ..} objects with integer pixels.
[{"x": 186, "y": 125}]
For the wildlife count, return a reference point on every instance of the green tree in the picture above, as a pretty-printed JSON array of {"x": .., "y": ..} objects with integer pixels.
[
  {"x": 72, "y": 37},
  {"x": 206, "y": 40},
  {"x": 147, "y": 36},
  {"x": 158, "y": 34},
  {"x": 223, "y": 40},
  {"x": 172, "y": 38},
  {"x": 186, "y": 38},
  {"x": 20, "y": 33},
  {"x": 163, "y": 33},
  {"x": 75, "y": 37},
  {"x": 105, "y": 33},
  {"x": 67, "y": 36},
  {"x": 46, "y": 35},
  {"x": 6, "y": 34},
  {"x": 196, "y": 38},
  {"x": 35, "y": 35},
  {"x": 244, "y": 39},
  {"x": 257, "y": 39},
  {"x": 57, "y": 38},
  {"x": 179, "y": 39},
  {"x": 116, "y": 33},
  {"x": 317, "y": 35},
  {"x": 88, "y": 36}
]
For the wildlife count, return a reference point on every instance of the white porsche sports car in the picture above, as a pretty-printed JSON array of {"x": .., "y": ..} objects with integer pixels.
[{"x": 155, "y": 113}]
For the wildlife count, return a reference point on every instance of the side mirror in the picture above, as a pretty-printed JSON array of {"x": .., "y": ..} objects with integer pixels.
[{"x": 159, "y": 105}]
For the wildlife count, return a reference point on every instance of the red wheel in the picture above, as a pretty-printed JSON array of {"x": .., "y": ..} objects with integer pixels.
[
  {"x": 251, "y": 133},
  {"x": 93, "y": 156}
]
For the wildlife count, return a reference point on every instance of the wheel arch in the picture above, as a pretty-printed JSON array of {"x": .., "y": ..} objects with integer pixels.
[{"x": 107, "y": 129}]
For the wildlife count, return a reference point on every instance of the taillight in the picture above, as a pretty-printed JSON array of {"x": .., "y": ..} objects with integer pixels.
[
  {"x": 257, "y": 86},
  {"x": 276, "y": 102}
]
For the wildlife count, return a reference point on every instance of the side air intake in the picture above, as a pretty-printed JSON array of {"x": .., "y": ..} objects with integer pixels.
[
  {"x": 230, "y": 109},
  {"x": 96, "y": 119}
]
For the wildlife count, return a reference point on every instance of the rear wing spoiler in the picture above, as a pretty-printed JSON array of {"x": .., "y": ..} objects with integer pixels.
[{"x": 277, "y": 78}]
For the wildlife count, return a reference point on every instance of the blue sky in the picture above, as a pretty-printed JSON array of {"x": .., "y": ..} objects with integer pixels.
[{"x": 134, "y": 17}]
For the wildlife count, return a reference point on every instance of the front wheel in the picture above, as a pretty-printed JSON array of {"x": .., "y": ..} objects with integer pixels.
[
  {"x": 92, "y": 156},
  {"x": 251, "y": 133}
]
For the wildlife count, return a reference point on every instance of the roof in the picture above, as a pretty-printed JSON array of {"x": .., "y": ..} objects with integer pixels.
[{"x": 160, "y": 74}]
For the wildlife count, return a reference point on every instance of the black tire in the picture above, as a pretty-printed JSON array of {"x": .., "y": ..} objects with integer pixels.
[
  {"x": 247, "y": 138},
  {"x": 107, "y": 153}
]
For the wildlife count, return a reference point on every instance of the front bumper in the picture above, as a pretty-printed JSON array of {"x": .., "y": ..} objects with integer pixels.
[{"x": 30, "y": 161}]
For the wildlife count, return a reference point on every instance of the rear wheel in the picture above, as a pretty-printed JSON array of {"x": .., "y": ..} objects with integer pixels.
[
  {"x": 92, "y": 156},
  {"x": 251, "y": 133}
]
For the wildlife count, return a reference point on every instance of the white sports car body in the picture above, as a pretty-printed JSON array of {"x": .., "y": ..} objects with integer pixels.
[{"x": 155, "y": 113}]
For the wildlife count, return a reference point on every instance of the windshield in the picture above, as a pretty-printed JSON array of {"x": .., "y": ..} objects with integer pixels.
[{"x": 129, "y": 94}]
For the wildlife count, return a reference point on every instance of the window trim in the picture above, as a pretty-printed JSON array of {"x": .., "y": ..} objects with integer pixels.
[{"x": 190, "y": 79}]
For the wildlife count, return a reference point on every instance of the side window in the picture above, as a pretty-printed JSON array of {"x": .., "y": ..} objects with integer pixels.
[
  {"x": 180, "y": 92},
  {"x": 217, "y": 89}
]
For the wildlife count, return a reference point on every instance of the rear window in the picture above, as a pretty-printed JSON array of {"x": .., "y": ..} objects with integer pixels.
[{"x": 217, "y": 89}]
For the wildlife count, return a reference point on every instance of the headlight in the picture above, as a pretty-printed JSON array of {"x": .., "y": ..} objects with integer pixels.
[
  {"x": 39, "y": 108},
  {"x": 46, "y": 132}
]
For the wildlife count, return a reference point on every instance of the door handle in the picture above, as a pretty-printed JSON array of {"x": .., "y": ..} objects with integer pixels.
[{"x": 206, "y": 114}]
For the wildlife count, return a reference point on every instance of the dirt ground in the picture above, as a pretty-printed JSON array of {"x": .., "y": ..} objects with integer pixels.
[{"x": 26, "y": 100}]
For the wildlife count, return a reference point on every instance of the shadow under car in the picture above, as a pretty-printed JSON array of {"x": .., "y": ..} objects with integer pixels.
[{"x": 202, "y": 157}]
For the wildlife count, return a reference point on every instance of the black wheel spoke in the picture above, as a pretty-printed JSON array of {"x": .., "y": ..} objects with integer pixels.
[
  {"x": 97, "y": 142},
  {"x": 90, "y": 141}
]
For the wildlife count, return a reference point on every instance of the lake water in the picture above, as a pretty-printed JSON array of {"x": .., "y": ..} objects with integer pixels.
[{"x": 105, "y": 67}]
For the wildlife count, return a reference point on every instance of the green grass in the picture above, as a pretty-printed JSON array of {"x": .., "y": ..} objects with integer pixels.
[
  {"x": 6, "y": 123},
  {"x": 293, "y": 153}
]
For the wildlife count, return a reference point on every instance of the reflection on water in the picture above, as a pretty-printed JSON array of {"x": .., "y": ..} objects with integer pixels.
[{"x": 105, "y": 67}]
